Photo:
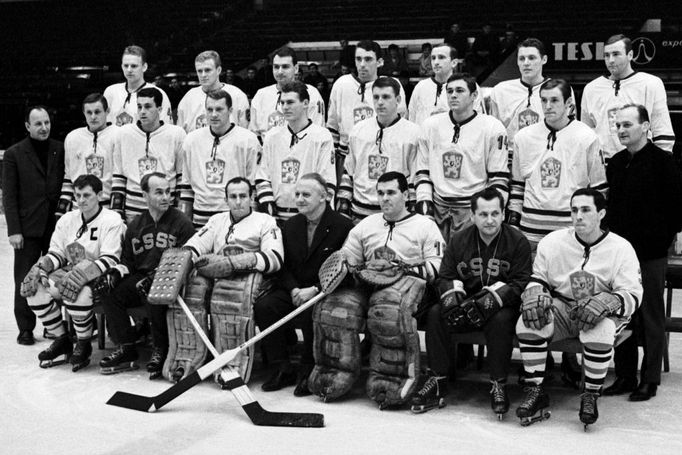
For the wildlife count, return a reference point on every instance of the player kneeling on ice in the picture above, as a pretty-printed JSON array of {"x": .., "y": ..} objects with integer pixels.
[
  {"x": 85, "y": 244},
  {"x": 395, "y": 254},
  {"x": 485, "y": 268},
  {"x": 586, "y": 284},
  {"x": 234, "y": 255}
]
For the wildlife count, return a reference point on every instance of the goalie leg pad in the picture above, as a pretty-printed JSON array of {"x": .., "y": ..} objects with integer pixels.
[
  {"x": 186, "y": 350},
  {"x": 394, "y": 358},
  {"x": 337, "y": 323},
  {"x": 232, "y": 317}
]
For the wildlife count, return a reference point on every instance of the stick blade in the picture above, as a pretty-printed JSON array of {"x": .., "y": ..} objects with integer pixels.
[
  {"x": 261, "y": 417},
  {"x": 132, "y": 401}
]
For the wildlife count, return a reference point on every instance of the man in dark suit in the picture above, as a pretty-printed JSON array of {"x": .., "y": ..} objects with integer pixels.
[
  {"x": 32, "y": 175},
  {"x": 309, "y": 238}
]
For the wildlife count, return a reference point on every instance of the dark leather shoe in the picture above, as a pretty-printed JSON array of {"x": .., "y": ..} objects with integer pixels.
[
  {"x": 279, "y": 380},
  {"x": 25, "y": 337},
  {"x": 621, "y": 386},
  {"x": 644, "y": 392}
]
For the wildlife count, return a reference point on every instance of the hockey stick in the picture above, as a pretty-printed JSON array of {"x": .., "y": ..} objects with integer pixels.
[{"x": 332, "y": 273}]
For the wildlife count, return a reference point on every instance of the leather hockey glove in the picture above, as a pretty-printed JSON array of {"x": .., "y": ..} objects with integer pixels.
[
  {"x": 513, "y": 218},
  {"x": 80, "y": 275},
  {"x": 536, "y": 307},
  {"x": 482, "y": 305},
  {"x": 343, "y": 207},
  {"x": 104, "y": 284},
  {"x": 588, "y": 312},
  {"x": 219, "y": 266},
  {"x": 451, "y": 295},
  {"x": 37, "y": 275}
]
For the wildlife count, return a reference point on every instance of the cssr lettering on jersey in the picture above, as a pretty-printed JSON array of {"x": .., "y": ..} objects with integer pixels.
[
  {"x": 150, "y": 240},
  {"x": 475, "y": 268}
]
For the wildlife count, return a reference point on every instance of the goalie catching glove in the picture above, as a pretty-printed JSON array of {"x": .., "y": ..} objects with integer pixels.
[
  {"x": 80, "y": 275},
  {"x": 380, "y": 272},
  {"x": 219, "y": 266},
  {"x": 37, "y": 275},
  {"x": 588, "y": 312},
  {"x": 536, "y": 307}
]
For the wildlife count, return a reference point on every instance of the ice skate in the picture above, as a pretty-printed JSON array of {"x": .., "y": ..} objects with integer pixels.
[
  {"x": 155, "y": 364},
  {"x": 430, "y": 395},
  {"x": 57, "y": 353},
  {"x": 533, "y": 408},
  {"x": 81, "y": 355},
  {"x": 121, "y": 359},
  {"x": 499, "y": 400},
  {"x": 588, "y": 408}
]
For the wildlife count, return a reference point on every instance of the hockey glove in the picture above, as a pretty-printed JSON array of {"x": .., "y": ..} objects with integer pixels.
[
  {"x": 37, "y": 275},
  {"x": 380, "y": 273},
  {"x": 588, "y": 312},
  {"x": 118, "y": 203},
  {"x": 219, "y": 266},
  {"x": 482, "y": 305},
  {"x": 72, "y": 283},
  {"x": 343, "y": 207},
  {"x": 536, "y": 307},
  {"x": 102, "y": 286},
  {"x": 451, "y": 295},
  {"x": 63, "y": 206},
  {"x": 513, "y": 218},
  {"x": 142, "y": 287},
  {"x": 425, "y": 208}
]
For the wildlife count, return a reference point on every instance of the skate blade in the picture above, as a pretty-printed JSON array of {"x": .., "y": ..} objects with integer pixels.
[
  {"x": 422, "y": 409},
  {"x": 53, "y": 362},
  {"x": 118, "y": 368},
  {"x": 541, "y": 415},
  {"x": 155, "y": 375},
  {"x": 79, "y": 366}
]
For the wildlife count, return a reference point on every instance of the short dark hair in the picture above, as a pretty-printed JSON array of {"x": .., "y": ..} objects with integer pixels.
[
  {"x": 235, "y": 181},
  {"x": 220, "y": 94},
  {"x": 394, "y": 175},
  {"x": 88, "y": 180},
  {"x": 426, "y": 45},
  {"x": 151, "y": 92},
  {"x": 136, "y": 50},
  {"x": 96, "y": 98},
  {"x": 620, "y": 37},
  {"x": 597, "y": 197},
  {"x": 286, "y": 51},
  {"x": 487, "y": 194},
  {"x": 642, "y": 113},
  {"x": 296, "y": 87},
  {"x": 561, "y": 84},
  {"x": 468, "y": 79},
  {"x": 387, "y": 81},
  {"x": 453, "y": 49},
  {"x": 534, "y": 42},
  {"x": 371, "y": 46},
  {"x": 36, "y": 107},
  {"x": 144, "y": 183}
]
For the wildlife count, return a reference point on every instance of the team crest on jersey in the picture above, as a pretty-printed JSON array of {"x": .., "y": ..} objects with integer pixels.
[
  {"x": 94, "y": 164},
  {"x": 582, "y": 284},
  {"x": 362, "y": 112},
  {"x": 452, "y": 165},
  {"x": 123, "y": 119},
  {"x": 550, "y": 173},
  {"x": 200, "y": 122},
  {"x": 385, "y": 253},
  {"x": 611, "y": 116},
  {"x": 146, "y": 165},
  {"x": 75, "y": 252},
  {"x": 290, "y": 169},
  {"x": 232, "y": 250},
  {"x": 527, "y": 117},
  {"x": 215, "y": 171},
  {"x": 275, "y": 119},
  {"x": 376, "y": 166}
]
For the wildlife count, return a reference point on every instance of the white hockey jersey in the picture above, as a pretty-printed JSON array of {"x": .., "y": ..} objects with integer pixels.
[
  {"x": 373, "y": 151},
  {"x": 547, "y": 168},
  {"x": 266, "y": 112},
  {"x": 565, "y": 265},
  {"x": 88, "y": 153},
  {"x": 137, "y": 153},
  {"x": 414, "y": 239},
  {"x": 99, "y": 240},
  {"x": 429, "y": 98},
  {"x": 350, "y": 102},
  {"x": 192, "y": 108},
  {"x": 603, "y": 97},
  {"x": 286, "y": 157},
  {"x": 209, "y": 162},
  {"x": 460, "y": 159},
  {"x": 255, "y": 233},
  {"x": 123, "y": 104}
]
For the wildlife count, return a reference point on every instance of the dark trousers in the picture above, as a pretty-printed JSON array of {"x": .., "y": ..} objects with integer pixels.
[
  {"x": 269, "y": 309},
  {"x": 499, "y": 335},
  {"x": 648, "y": 324},
  {"x": 125, "y": 296},
  {"x": 24, "y": 259}
]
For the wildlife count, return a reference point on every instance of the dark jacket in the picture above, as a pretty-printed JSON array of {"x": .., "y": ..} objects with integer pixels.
[
  {"x": 645, "y": 200},
  {"x": 29, "y": 191},
  {"x": 302, "y": 264}
]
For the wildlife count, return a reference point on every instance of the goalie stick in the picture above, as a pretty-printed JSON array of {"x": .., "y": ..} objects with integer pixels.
[{"x": 332, "y": 273}]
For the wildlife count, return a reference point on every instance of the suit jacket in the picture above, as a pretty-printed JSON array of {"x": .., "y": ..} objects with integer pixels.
[
  {"x": 302, "y": 264},
  {"x": 29, "y": 191}
]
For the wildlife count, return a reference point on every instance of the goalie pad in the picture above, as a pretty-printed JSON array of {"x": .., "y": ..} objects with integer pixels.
[
  {"x": 588, "y": 312},
  {"x": 232, "y": 318},
  {"x": 394, "y": 358},
  {"x": 337, "y": 322},
  {"x": 170, "y": 276},
  {"x": 220, "y": 266},
  {"x": 186, "y": 350},
  {"x": 536, "y": 307}
]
